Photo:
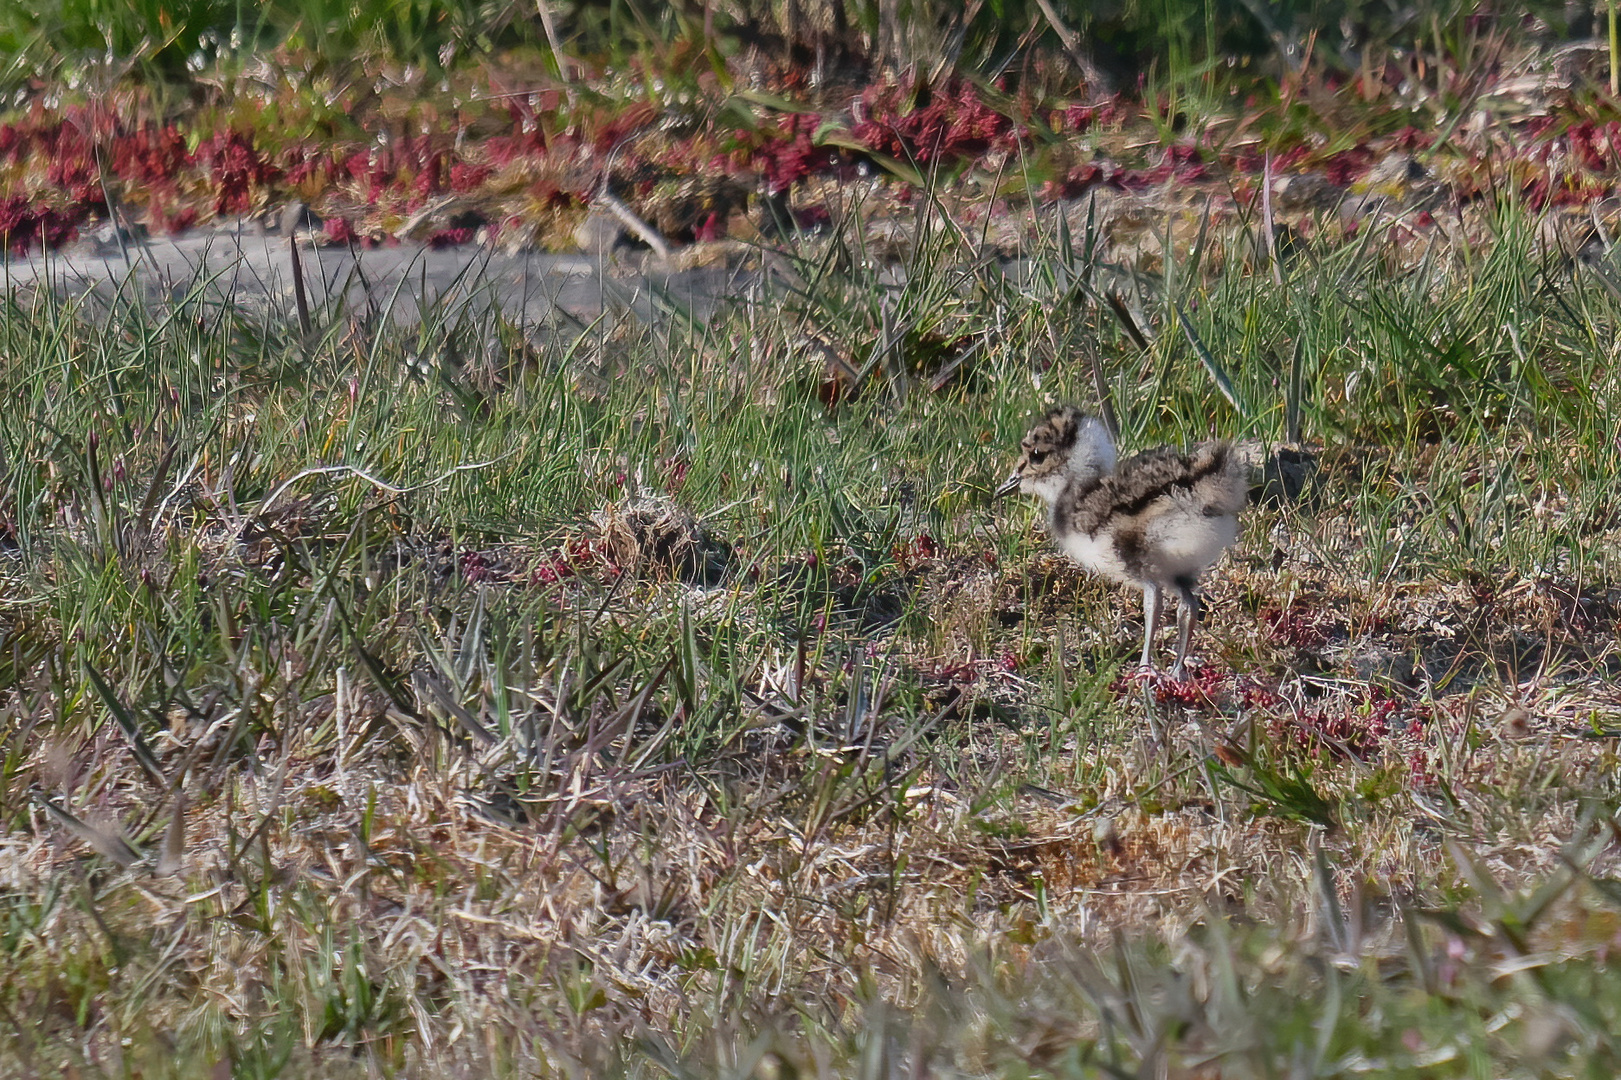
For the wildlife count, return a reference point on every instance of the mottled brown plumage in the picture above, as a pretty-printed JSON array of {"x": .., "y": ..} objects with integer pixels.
[{"x": 1156, "y": 520}]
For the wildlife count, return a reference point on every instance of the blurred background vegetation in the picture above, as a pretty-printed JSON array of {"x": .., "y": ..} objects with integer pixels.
[{"x": 1115, "y": 44}]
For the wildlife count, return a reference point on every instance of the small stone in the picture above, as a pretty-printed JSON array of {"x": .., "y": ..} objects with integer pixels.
[
  {"x": 599, "y": 233},
  {"x": 1355, "y": 209},
  {"x": 1543, "y": 1034},
  {"x": 111, "y": 239},
  {"x": 1371, "y": 662},
  {"x": 297, "y": 215},
  {"x": 1515, "y": 723},
  {"x": 1396, "y": 168},
  {"x": 1279, "y": 474},
  {"x": 1106, "y": 834},
  {"x": 1306, "y": 191}
]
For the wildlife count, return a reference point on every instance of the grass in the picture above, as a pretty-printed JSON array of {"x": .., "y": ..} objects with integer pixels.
[
  {"x": 174, "y": 44},
  {"x": 670, "y": 700}
]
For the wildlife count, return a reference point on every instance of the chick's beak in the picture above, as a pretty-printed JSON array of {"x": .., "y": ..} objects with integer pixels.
[{"x": 1009, "y": 486}]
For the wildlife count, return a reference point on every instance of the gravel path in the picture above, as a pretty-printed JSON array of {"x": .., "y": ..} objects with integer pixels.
[{"x": 251, "y": 267}]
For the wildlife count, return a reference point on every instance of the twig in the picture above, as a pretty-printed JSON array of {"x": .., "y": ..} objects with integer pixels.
[
  {"x": 1097, "y": 83},
  {"x": 1266, "y": 219},
  {"x": 1615, "y": 75},
  {"x": 649, "y": 235},
  {"x": 416, "y": 220},
  {"x": 381, "y": 485},
  {"x": 567, "y": 66}
]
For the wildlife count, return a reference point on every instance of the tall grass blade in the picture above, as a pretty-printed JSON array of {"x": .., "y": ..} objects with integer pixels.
[
  {"x": 1217, "y": 374},
  {"x": 111, "y": 845},
  {"x": 131, "y": 729},
  {"x": 1291, "y": 417},
  {"x": 301, "y": 300}
]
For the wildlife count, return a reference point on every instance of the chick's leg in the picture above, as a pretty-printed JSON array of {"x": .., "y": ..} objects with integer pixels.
[
  {"x": 1187, "y": 612},
  {"x": 1151, "y": 598}
]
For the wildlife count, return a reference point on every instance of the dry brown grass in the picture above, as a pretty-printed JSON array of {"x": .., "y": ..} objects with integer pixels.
[
  {"x": 368, "y": 867},
  {"x": 792, "y": 753}
]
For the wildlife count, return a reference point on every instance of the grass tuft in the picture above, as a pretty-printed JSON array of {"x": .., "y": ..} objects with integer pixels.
[{"x": 664, "y": 698}]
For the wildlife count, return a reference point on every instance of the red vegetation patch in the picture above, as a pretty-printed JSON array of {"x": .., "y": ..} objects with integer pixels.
[
  {"x": 1348, "y": 166},
  {"x": 1358, "y": 724},
  {"x": 71, "y": 172},
  {"x": 577, "y": 555},
  {"x": 1077, "y": 182},
  {"x": 1076, "y": 119},
  {"x": 788, "y": 155},
  {"x": 915, "y": 122},
  {"x": 465, "y": 178},
  {"x": 163, "y": 217},
  {"x": 1307, "y": 629},
  {"x": 412, "y": 169},
  {"x": 1208, "y": 688},
  {"x": 152, "y": 157},
  {"x": 1180, "y": 162},
  {"x": 445, "y": 238},
  {"x": 1252, "y": 694},
  {"x": 605, "y": 131},
  {"x": 541, "y": 154},
  {"x": 1594, "y": 146},
  {"x": 339, "y": 231},
  {"x": 477, "y": 566},
  {"x": 236, "y": 171},
  {"x": 24, "y": 224},
  {"x": 911, "y": 554},
  {"x": 528, "y": 140}
]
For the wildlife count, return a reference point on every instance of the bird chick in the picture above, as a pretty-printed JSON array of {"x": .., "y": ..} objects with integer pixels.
[{"x": 1157, "y": 520}]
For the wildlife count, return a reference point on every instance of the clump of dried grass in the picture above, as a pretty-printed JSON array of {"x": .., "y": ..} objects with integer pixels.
[{"x": 659, "y": 539}]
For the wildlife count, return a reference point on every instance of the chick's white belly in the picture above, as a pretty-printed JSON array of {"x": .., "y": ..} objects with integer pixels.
[
  {"x": 1184, "y": 545},
  {"x": 1096, "y": 552},
  {"x": 1175, "y": 545}
]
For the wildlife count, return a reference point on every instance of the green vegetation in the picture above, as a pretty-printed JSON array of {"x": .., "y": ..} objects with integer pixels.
[
  {"x": 1190, "y": 44},
  {"x": 670, "y": 699}
]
